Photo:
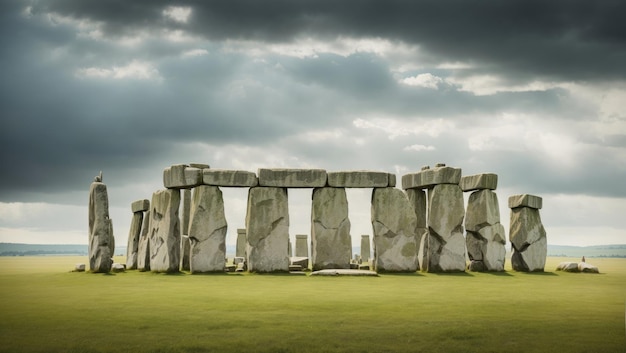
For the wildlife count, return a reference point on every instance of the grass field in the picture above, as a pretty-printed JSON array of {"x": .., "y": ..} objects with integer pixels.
[{"x": 46, "y": 308}]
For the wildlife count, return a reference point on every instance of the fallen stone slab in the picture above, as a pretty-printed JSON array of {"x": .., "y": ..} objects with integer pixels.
[
  {"x": 587, "y": 268},
  {"x": 140, "y": 206},
  {"x": 293, "y": 268},
  {"x": 229, "y": 178},
  {"x": 525, "y": 200},
  {"x": 568, "y": 267},
  {"x": 299, "y": 261},
  {"x": 358, "y": 179},
  {"x": 487, "y": 181},
  {"x": 344, "y": 272},
  {"x": 118, "y": 267},
  {"x": 181, "y": 176},
  {"x": 427, "y": 178},
  {"x": 79, "y": 268},
  {"x": 292, "y": 178}
]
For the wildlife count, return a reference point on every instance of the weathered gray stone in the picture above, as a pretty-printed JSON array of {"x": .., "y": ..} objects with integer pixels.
[
  {"x": 479, "y": 182},
  {"x": 199, "y": 165},
  {"x": 240, "y": 250},
  {"x": 289, "y": 249},
  {"x": 394, "y": 224},
  {"x": 525, "y": 200},
  {"x": 165, "y": 231},
  {"x": 302, "y": 245},
  {"x": 365, "y": 248},
  {"x": 101, "y": 239},
  {"x": 427, "y": 178},
  {"x": 331, "y": 244},
  {"x": 140, "y": 206},
  {"x": 568, "y": 267},
  {"x": 417, "y": 199},
  {"x": 486, "y": 248},
  {"x": 292, "y": 178},
  {"x": 302, "y": 261},
  {"x": 267, "y": 225},
  {"x": 344, "y": 272},
  {"x": 358, "y": 179},
  {"x": 185, "y": 245},
  {"x": 392, "y": 180},
  {"x": 445, "y": 246},
  {"x": 207, "y": 230},
  {"x": 118, "y": 267},
  {"x": 482, "y": 210},
  {"x": 132, "y": 247},
  {"x": 229, "y": 178},
  {"x": 528, "y": 240},
  {"x": 587, "y": 268},
  {"x": 181, "y": 176},
  {"x": 79, "y": 268},
  {"x": 143, "y": 251}
]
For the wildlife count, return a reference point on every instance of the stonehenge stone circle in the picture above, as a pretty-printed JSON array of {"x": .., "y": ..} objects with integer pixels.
[
  {"x": 185, "y": 246},
  {"x": 101, "y": 239},
  {"x": 527, "y": 234},
  {"x": 132, "y": 247},
  {"x": 485, "y": 239},
  {"x": 359, "y": 179},
  {"x": 331, "y": 244},
  {"x": 292, "y": 178},
  {"x": 417, "y": 199},
  {"x": 143, "y": 251},
  {"x": 207, "y": 230},
  {"x": 182, "y": 176},
  {"x": 229, "y": 178},
  {"x": 365, "y": 248},
  {"x": 165, "y": 231},
  {"x": 267, "y": 226},
  {"x": 240, "y": 250},
  {"x": 394, "y": 225}
]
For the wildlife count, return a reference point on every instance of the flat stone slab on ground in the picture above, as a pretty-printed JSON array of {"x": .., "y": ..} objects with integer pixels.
[
  {"x": 140, "y": 206},
  {"x": 431, "y": 177},
  {"x": 79, "y": 268},
  {"x": 359, "y": 179},
  {"x": 118, "y": 267},
  {"x": 344, "y": 272},
  {"x": 587, "y": 268},
  {"x": 525, "y": 200},
  {"x": 229, "y": 178},
  {"x": 292, "y": 178},
  {"x": 479, "y": 182},
  {"x": 568, "y": 267}
]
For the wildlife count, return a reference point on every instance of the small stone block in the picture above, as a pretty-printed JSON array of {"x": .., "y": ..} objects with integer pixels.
[
  {"x": 79, "y": 268},
  {"x": 292, "y": 178},
  {"x": 230, "y": 268},
  {"x": 525, "y": 200},
  {"x": 229, "y": 178},
  {"x": 479, "y": 182},
  {"x": 182, "y": 176},
  {"x": 392, "y": 180},
  {"x": 431, "y": 177},
  {"x": 295, "y": 268},
  {"x": 118, "y": 267},
  {"x": 140, "y": 206},
  {"x": 199, "y": 165},
  {"x": 358, "y": 179}
]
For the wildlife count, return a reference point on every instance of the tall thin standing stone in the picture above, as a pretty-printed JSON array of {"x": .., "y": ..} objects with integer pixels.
[
  {"x": 302, "y": 245},
  {"x": 132, "y": 247},
  {"x": 331, "y": 244},
  {"x": 165, "y": 231},
  {"x": 527, "y": 234},
  {"x": 365, "y": 248},
  {"x": 207, "y": 231},
  {"x": 446, "y": 244},
  {"x": 185, "y": 246},
  {"x": 417, "y": 199},
  {"x": 101, "y": 240},
  {"x": 143, "y": 252},
  {"x": 240, "y": 250},
  {"x": 267, "y": 226}
]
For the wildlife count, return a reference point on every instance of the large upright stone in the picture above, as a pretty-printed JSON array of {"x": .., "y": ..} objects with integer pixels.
[
  {"x": 292, "y": 178},
  {"x": 165, "y": 231},
  {"x": 485, "y": 238},
  {"x": 358, "y": 179},
  {"x": 331, "y": 244},
  {"x": 302, "y": 245},
  {"x": 427, "y": 177},
  {"x": 229, "y": 178},
  {"x": 528, "y": 239},
  {"x": 365, "y": 248},
  {"x": 394, "y": 223},
  {"x": 101, "y": 240},
  {"x": 207, "y": 230},
  {"x": 267, "y": 226},
  {"x": 132, "y": 247},
  {"x": 417, "y": 199},
  {"x": 240, "y": 250},
  {"x": 445, "y": 248},
  {"x": 181, "y": 176},
  {"x": 185, "y": 246},
  {"x": 143, "y": 251}
]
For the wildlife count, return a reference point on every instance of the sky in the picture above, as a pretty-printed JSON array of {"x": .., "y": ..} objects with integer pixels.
[{"x": 534, "y": 91}]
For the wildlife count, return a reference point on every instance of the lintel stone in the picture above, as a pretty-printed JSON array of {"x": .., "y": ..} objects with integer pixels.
[
  {"x": 292, "y": 178},
  {"x": 525, "y": 200},
  {"x": 229, "y": 178},
  {"x": 430, "y": 177},
  {"x": 199, "y": 165},
  {"x": 358, "y": 179},
  {"x": 479, "y": 182},
  {"x": 140, "y": 206},
  {"x": 182, "y": 176}
]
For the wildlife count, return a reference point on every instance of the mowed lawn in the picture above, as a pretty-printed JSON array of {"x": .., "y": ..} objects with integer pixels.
[{"x": 46, "y": 308}]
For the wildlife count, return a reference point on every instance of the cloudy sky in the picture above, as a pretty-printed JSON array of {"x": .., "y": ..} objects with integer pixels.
[{"x": 534, "y": 91}]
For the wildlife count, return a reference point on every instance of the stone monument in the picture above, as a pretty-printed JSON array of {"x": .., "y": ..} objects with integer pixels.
[
  {"x": 165, "y": 231},
  {"x": 527, "y": 234},
  {"x": 132, "y": 248},
  {"x": 207, "y": 230},
  {"x": 101, "y": 239},
  {"x": 331, "y": 245}
]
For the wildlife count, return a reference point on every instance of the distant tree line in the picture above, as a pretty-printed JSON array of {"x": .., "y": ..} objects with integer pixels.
[{"x": 41, "y": 253}]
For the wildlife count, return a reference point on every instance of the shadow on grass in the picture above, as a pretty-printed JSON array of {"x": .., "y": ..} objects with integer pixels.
[
  {"x": 498, "y": 273},
  {"x": 537, "y": 273},
  {"x": 401, "y": 274},
  {"x": 452, "y": 274}
]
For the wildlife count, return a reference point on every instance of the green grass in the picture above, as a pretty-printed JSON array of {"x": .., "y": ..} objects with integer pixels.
[{"x": 46, "y": 308}]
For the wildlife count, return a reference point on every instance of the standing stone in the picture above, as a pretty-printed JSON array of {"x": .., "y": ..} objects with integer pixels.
[
  {"x": 485, "y": 238},
  {"x": 365, "y": 248},
  {"x": 445, "y": 246},
  {"x": 289, "y": 249},
  {"x": 302, "y": 246},
  {"x": 185, "y": 246},
  {"x": 331, "y": 244},
  {"x": 132, "y": 246},
  {"x": 143, "y": 252},
  {"x": 240, "y": 250},
  {"x": 101, "y": 240},
  {"x": 417, "y": 199},
  {"x": 267, "y": 225},
  {"x": 394, "y": 224},
  {"x": 527, "y": 234},
  {"x": 207, "y": 230},
  {"x": 165, "y": 231}
]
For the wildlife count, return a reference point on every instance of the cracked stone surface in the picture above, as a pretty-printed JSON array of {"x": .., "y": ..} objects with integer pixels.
[
  {"x": 486, "y": 238},
  {"x": 267, "y": 226},
  {"x": 528, "y": 240},
  {"x": 132, "y": 247},
  {"x": 207, "y": 230},
  {"x": 101, "y": 239},
  {"x": 331, "y": 244},
  {"x": 143, "y": 251},
  {"x": 165, "y": 231}
]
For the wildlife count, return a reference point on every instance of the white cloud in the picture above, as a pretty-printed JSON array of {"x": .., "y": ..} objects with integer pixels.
[
  {"x": 137, "y": 70},
  {"x": 419, "y": 148},
  {"x": 395, "y": 128},
  {"x": 423, "y": 80},
  {"x": 194, "y": 52},
  {"x": 177, "y": 13},
  {"x": 484, "y": 85}
]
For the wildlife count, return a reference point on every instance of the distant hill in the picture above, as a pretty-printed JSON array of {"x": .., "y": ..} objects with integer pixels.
[{"x": 615, "y": 250}]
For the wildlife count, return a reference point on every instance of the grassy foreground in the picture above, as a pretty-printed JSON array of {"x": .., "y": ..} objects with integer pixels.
[{"x": 46, "y": 308}]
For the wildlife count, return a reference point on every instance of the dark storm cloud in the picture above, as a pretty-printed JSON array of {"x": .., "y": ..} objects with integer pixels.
[{"x": 562, "y": 40}]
